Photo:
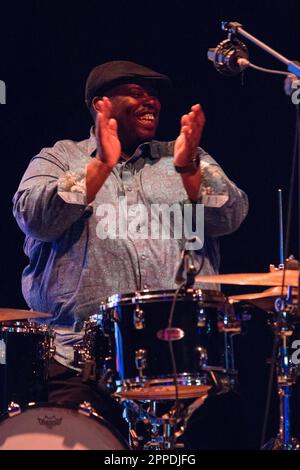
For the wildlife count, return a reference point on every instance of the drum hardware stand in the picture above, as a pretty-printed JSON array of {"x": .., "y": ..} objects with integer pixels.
[
  {"x": 161, "y": 432},
  {"x": 286, "y": 378},
  {"x": 223, "y": 380}
]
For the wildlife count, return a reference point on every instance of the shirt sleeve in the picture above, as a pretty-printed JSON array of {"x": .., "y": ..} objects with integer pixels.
[
  {"x": 50, "y": 197},
  {"x": 225, "y": 205}
]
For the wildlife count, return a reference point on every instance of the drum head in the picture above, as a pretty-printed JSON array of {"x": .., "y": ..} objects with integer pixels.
[
  {"x": 55, "y": 427},
  {"x": 212, "y": 297}
]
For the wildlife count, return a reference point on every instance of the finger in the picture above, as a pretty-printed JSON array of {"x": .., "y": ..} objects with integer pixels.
[
  {"x": 199, "y": 119},
  {"x": 106, "y": 106},
  {"x": 99, "y": 126},
  {"x": 185, "y": 120},
  {"x": 104, "y": 109},
  {"x": 102, "y": 119},
  {"x": 113, "y": 125},
  {"x": 192, "y": 116},
  {"x": 107, "y": 102},
  {"x": 101, "y": 107},
  {"x": 102, "y": 124},
  {"x": 188, "y": 119},
  {"x": 186, "y": 127},
  {"x": 190, "y": 122},
  {"x": 99, "y": 119},
  {"x": 185, "y": 130},
  {"x": 196, "y": 108},
  {"x": 198, "y": 111}
]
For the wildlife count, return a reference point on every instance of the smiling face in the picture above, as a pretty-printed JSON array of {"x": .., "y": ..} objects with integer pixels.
[{"x": 136, "y": 109}]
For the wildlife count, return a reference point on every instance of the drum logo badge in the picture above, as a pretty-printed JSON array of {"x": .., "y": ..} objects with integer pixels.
[
  {"x": 49, "y": 421},
  {"x": 170, "y": 334}
]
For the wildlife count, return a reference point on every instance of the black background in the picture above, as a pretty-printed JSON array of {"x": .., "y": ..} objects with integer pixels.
[{"x": 47, "y": 49}]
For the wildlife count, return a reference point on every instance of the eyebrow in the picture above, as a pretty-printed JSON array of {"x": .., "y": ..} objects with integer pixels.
[
  {"x": 134, "y": 85},
  {"x": 148, "y": 88},
  {"x": 130, "y": 87}
]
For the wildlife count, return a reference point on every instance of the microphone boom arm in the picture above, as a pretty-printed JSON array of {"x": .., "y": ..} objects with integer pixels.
[{"x": 234, "y": 28}]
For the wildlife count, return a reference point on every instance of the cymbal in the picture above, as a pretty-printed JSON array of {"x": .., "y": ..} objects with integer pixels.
[
  {"x": 166, "y": 392},
  {"x": 274, "y": 278},
  {"x": 264, "y": 300},
  {"x": 10, "y": 314}
]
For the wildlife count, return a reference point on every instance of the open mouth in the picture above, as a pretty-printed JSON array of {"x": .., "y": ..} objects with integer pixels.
[{"x": 147, "y": 118}]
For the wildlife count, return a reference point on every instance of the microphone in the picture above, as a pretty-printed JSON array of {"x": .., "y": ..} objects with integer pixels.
[
  {"x": 180, "y": 270},
  {"x": 230, "y": 57},
  {"x": 186, "y": 265}
]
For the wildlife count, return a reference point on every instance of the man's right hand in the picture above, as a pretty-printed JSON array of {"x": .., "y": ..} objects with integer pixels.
[
  {"x": 108, "y": 143},
  {"x": 108, "y": 150}
]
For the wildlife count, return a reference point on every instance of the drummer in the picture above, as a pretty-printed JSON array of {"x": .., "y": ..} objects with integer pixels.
[{"x": 85, "y": 208}]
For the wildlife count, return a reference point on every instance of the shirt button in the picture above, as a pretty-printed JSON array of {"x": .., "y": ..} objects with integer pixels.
[
  {"x": 144, "y": 257},
  {"x": 145, "y": 286},
  {"x": 129, "y": 188}
]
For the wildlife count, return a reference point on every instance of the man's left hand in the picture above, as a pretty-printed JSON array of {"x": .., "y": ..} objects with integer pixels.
[{"x": 192, "y": 125}]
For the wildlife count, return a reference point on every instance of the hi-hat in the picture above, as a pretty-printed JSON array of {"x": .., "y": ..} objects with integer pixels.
[
  {"x": 10, "y": 314},
  {"x": 264, "y": 300},
  {"x": 274, "y": 278}
]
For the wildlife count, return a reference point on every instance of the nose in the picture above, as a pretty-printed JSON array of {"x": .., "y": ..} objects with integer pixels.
[{"x": 151, "y": 100}]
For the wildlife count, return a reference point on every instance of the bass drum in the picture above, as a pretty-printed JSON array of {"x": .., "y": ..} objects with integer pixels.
[{"x": 57, "y": 427}]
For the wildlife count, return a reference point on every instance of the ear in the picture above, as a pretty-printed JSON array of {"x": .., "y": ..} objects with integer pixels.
[{"x": 95, "y": 104}]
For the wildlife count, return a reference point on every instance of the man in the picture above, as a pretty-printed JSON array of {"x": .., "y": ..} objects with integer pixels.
[{"x": 72, "y": 266}]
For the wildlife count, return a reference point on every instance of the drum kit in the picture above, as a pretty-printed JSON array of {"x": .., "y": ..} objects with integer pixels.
[{"x": 161, "y": 354}]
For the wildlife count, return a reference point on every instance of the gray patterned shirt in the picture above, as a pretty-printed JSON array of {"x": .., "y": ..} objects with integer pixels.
[{"x": 71, "y": 268}]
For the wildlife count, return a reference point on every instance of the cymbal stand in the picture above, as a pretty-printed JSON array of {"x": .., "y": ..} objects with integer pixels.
[{"x": 286, "y": 377}]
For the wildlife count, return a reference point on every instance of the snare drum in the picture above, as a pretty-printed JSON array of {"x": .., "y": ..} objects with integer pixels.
[
  {"x": 139, "y": 351},
  {"x": 25, "y": 349},
  {"x": 55, "y": 427}
]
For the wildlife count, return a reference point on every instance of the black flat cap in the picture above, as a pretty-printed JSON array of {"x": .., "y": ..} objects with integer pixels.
[{"x": 112, "y": 73}]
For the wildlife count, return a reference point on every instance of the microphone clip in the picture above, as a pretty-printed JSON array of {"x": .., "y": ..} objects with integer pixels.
[
  {"x": 187, "y": 266},
  {"x": 226, "y": 56}
]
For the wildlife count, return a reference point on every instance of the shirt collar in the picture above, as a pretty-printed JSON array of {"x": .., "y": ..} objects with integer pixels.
[{"x": 157, "y": 149}]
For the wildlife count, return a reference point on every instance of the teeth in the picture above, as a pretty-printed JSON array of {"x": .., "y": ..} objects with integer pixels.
[{"x": 147, "y": 117}]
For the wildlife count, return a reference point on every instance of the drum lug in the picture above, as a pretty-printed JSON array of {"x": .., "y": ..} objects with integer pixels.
[
  {"x": 139, "y": 319},
  {"x": 141, "y": 360},
  {"x": 228, "y": 324},
  {"x": 52, "y": 347},
  {"x": 80, "y": 355},
  {"x": 201, "y": 318},
  {"x": 44, "y": 350},
  {"x": 85, "y": 408},
  {"x": 13, "y": 409},
  {"x": 2, "y": 352},
  {"x": 202, "y": 356},
  {"x": 52, "y": 351},
  {"x": 115, "y": 315}
]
